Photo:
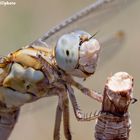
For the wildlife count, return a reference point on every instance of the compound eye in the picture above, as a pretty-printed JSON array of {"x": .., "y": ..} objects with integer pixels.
[{"x": 66, "y": 52}]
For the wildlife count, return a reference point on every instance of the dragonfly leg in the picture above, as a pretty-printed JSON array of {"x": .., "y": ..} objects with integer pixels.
[
  {"x": 78, "y": 113},
  {"x": 57, "y": 122},
  {"x": 66, "y": 119},
  {"x": 91, "y": 93},
  {"x": 62, "y": 107}
]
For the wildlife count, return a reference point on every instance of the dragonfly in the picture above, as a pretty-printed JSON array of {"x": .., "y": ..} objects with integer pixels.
[{"x": 46, "y": 68}]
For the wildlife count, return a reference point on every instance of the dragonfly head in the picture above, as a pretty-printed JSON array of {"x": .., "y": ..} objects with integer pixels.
[{"x": 77, "y": 53}]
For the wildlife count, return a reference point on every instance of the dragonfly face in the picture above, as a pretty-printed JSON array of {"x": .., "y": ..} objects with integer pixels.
[{"x": 77, "y": 53}]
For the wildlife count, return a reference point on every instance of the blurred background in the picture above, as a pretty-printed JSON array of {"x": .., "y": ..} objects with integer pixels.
[{"x": 27, "y": 20}]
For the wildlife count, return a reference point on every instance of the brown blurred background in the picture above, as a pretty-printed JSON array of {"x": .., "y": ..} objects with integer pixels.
[{"x": 28, "y": 20}]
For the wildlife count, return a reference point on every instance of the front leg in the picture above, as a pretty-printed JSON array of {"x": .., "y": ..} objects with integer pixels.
[
  {"x": 78, "y": 113},
  {"x": 86, "y": 91},
  {"x": 91, "y": 93}
]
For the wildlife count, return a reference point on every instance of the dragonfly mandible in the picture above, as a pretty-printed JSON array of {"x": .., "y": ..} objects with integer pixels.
[{"x": 39, "y": 70}]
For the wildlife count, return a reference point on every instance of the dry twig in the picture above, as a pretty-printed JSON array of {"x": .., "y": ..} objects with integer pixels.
[{"x": 114, "y": 122}]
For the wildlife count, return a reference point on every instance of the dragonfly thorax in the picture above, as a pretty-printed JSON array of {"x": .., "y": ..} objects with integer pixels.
[{"x": 77, "y": 53}]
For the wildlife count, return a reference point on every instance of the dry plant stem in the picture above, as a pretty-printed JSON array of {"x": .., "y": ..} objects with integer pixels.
[{"x": 114, "y": 122}]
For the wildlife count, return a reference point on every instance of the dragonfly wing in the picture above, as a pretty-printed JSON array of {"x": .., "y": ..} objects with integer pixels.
[
  {"x": 110, "y": 45},
  {"x": 88, "y": 19}
]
